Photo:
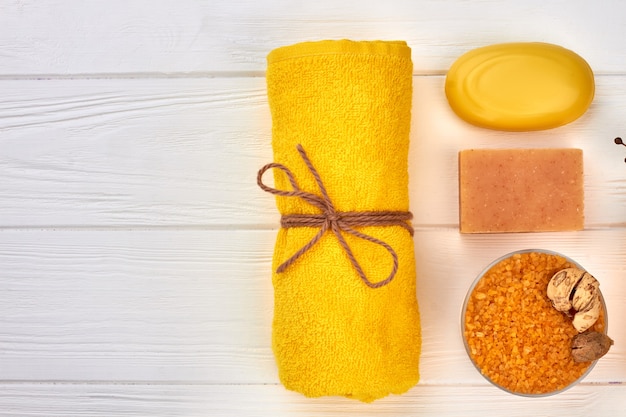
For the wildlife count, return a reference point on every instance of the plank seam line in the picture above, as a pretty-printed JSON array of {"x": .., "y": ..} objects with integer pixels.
[
  {"x": 243, "y": 384},
  {"x": 234, "y": 227}
]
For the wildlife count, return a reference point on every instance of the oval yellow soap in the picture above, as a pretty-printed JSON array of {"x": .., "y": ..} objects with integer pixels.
[{"x": 520, "y": 86}]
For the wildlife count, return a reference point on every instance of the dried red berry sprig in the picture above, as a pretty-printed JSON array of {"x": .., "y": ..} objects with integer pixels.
[{"x": 619, "y": 141}]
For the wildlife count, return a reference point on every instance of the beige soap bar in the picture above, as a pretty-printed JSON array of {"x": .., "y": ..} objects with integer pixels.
[{"x": 521, "y": 190}]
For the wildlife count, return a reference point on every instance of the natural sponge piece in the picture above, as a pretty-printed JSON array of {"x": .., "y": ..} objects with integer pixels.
[{"x": 520, "y": 190}]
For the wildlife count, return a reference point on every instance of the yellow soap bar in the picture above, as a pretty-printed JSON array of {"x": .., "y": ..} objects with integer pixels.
[
  {"x": 520, "y": 190},
  {"x": 520, "y": 86}
]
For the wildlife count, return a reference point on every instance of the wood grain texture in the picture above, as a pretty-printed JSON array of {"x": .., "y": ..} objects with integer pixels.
[
  {"x": 136, "y": 305},
  {"x": 221, "y": 36},
  {"x": 135, "y": 246},
  {"x": 185, "y": 152},
  {"x": 268, "y": 400},
  {"x": 133, "y": 152},
  {"x": 196, "y": 306}
]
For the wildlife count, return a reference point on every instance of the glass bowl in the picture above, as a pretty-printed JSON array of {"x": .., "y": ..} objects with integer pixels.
[{"x": 511, "y": 332}]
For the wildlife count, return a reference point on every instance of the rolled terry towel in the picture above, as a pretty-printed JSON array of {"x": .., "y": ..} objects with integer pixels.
[{"x": 346, "y": 318}]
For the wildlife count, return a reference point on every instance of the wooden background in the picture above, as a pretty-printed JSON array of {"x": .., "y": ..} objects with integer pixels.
[{"x": 135, "y": 246}]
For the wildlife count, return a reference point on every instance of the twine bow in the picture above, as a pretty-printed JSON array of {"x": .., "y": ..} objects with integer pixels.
[{"x": 336, "y": 221}]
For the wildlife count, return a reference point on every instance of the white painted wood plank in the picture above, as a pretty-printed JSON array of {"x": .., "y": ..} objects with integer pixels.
[
  {"x": 131, "y": 133},
  {"x": 74, "y": 400},
  {"x": 135, "y": 305},
  {"x": 129, "y": 37},
  {"x": 133, "y": 152},
  {"x": 196, "y": 306},
  {"x": 185, "y": 152}
]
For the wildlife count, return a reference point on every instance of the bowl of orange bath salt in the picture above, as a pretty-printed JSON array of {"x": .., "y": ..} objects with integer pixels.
[{"x": 513, "y": 333}]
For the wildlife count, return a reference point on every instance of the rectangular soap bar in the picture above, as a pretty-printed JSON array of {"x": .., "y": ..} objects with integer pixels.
[{"x": 521, "y": 190}]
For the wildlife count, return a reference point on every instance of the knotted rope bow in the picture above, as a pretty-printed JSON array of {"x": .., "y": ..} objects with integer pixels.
[{"x": 336, "y": 221}]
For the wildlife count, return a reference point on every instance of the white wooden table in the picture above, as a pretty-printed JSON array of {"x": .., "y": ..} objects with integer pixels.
[{"x": 135, "y": 246}]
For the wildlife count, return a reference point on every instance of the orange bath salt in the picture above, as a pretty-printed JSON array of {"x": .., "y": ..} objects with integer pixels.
[
  {"x": 514, "y": 335},
  {"x": 520, "y": 190}
]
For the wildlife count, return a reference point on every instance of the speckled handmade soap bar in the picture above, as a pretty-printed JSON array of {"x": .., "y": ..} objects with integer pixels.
[{"x": 521, "y": 190}]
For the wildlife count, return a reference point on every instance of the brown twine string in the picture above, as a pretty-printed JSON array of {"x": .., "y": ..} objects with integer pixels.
[{"x": 336, "y": 221}]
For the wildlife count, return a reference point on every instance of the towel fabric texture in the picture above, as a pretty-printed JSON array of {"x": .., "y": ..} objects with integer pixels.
[{"x": 348, "y": 104}]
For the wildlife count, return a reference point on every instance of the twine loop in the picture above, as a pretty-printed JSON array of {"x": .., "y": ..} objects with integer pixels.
[{"x": 333, "y": 220}]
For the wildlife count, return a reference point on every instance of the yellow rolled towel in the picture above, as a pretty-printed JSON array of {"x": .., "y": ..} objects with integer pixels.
[{"x": 346, "y": 318}]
